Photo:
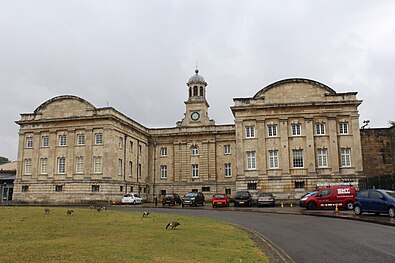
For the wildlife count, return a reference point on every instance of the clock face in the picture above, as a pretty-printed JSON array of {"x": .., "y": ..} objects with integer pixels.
[{"x": 195, "y": 116}]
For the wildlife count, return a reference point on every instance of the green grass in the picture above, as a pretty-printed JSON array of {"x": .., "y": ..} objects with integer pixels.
[{"x": 28, "y": 235}]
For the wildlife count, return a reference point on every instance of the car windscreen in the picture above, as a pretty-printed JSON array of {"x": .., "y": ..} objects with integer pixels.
[
  {"x": 219, "y": 196},
  {"x": 311, "y": 193},
  {"x": 390, "y": 193},
  {"x": 242, "y": 194},
  {"x": 169, "y": 196},
  {"x": 191, "y": 195},
  {"x": 265, "y": 195}
]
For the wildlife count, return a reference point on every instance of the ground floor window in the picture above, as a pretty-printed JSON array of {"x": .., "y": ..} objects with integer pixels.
[
  {"x": 95, "y": 188},
  {"x": 299, "y": 185},
  {"x": 228, "y": 191},
  {"x": 251, "y": 186},
  {"x": 163, "y": 192},
  {"x": 121, "y": 188},
  {"x": 206, "y": 189},
  {"x": 58, "y": 188},
  {"x": 25, "y": 188}
]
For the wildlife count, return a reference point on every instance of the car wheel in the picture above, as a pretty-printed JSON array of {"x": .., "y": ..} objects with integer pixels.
[
  {"x": 349, "y": 205},
  {"x": 312, "y": 206},
  {"x": 391, "y": 212},
  {"x": 357, "y": 210}
]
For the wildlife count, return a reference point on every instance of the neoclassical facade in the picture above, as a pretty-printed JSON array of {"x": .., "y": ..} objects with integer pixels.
[{"x": 290, "y": 137}]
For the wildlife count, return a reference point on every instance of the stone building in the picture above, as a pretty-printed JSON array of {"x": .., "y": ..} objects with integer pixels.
[
  {"x": 378, "y": 149},
  {"x": 290, "y": 137}
]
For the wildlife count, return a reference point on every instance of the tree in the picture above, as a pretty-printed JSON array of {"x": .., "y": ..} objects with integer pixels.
[
  {"x": 392, "y": 123},
  {"x": 4, "y": 160}
]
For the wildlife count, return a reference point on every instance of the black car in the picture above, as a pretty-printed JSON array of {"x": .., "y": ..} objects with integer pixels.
[
  {"x": 193, "y": 199},
  {"x": 171, "y": 199},
  {"x": 243, "y": 198},
  {"x": 266, "y": 199}
]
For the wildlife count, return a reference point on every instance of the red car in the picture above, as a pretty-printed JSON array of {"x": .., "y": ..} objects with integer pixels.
[{"x": 220, "y": 200}]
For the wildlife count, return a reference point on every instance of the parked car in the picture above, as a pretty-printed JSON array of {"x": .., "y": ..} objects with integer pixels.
[
  {"x": 131, "y": 198},
  {"x": 375, "y": 201},
  {"x": 266, "y": 199},
  {"x": 220, "y": 200},
  {"x": 243, "y": 198},
  {"x": 342, "y": 196},
  {"x": 193, "y": 199},
  {"x": 171, "y": 199},
  {"x": 303, "y": 198}
]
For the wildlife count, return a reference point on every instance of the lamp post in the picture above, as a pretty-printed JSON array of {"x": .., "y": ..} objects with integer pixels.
[{"x": 154, "y": 184}]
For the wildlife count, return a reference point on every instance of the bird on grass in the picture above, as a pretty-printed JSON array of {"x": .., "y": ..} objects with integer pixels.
[
  {"x": 69, "y": 212},
  {"x": 145, "y": 214},
  {"x": 173, "y": 225},
  {"x": 47, "y": 211}
]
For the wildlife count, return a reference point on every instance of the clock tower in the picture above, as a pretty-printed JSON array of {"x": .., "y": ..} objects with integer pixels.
[{"x": 196, "y": 112}]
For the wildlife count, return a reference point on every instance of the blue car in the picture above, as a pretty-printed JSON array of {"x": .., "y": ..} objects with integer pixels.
[{"x": 375, "y": 201}]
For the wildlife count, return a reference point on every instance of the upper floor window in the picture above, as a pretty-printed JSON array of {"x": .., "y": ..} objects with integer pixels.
[
  {"x": 98, "y": 138},
  {"x": 28, "y": 166},
  {"x": 195, "y": 170},
  {"x": 273, "y": 159},
  {"x": 320, "y": 128},
  {"x": 228, "y": 170},
  {"x": 343, "y": 127},
  {"x": 120, "y": 144},
  {"x": 140, "y": 149},
  {"x": 29, "y": 142},
  {"x": 250, "y": 131},
  {"x": 97, "y": 165},
  {"x": 163, "y": 171},
  {"x": 296, "y": 129},
  {"x": 79, "y": 164},
  {"x": 201, "y": 91},
  {"x": 345, "y": 157},
  {"x": 80, "y": 139},
  {"x": 131, "y": 146},
  {"x": 195, "y": 150},
  {"x": 61, "y": 165},
  {"x": 44, "y": 166},
  {"x": 139, "y": 170},
  {"x": 95, "y": 188},
  {"x": 163, "y": 151},
  {"x": 62, "y": 140},
  {"x": 251, "y": 162},
  {"x": 322, "y": 157},
  {"x": 119, "y": 166},
  {"x": 272, "y": 130},
  {"x": 45, "y": 141},
  {"x": 227, "y": 149},
  {"x": 297, "y": 159},
  {"x": 130, "y": 168},
  {"x": 195, "y": 91}
]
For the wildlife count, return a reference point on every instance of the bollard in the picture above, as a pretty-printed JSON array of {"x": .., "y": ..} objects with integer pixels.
[
  {"x": 291, "y": 205},
  {"x": 336, "y": 209},
  {"x": 282, "y": 204}
]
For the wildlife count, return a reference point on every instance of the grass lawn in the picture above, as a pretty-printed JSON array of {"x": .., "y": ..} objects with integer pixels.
[{"x": 29, "y": 235}]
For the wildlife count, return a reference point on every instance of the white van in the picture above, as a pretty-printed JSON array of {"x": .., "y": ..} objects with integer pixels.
[{"x": 132, "y": 198}]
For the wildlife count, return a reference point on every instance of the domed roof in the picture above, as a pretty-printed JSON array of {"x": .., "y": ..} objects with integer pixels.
[{"x": 196, "y": 79}]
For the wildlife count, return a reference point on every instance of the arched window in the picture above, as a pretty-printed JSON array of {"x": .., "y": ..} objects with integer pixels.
[
  {"x": 195, "y": 91},
  {"x": 190, "y": 92},
  {"x": 201, "y": 91}
]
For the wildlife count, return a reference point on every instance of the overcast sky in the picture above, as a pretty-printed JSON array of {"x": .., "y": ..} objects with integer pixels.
[{"x": 137, "y": 55}]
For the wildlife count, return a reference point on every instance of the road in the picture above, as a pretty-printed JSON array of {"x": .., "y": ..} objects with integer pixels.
[{"x": 309, "y": 238}]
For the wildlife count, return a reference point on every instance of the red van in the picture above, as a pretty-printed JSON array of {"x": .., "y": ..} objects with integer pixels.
[{"x": 342, "y": 195}]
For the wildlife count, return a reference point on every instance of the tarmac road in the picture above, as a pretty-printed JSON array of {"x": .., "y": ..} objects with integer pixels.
[{"x": 308, "y": 238}]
